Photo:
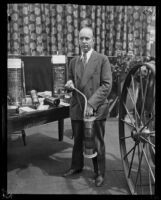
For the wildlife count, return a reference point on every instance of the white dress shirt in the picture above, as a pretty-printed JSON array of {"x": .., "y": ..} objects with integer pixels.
[{"x": 88, "y": 54}]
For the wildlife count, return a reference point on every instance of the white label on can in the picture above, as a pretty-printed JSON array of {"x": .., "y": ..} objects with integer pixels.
[
  {"x": 58, "y": 59},
  {"x": 14, "y": 63}
]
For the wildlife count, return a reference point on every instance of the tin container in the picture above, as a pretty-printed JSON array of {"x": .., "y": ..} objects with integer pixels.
[
  {"x": 51, "y": 101},
  {"x": 58, "y": 75},
  {"x": 15, "y": 85},
  {"x": 35, "y": 99}
]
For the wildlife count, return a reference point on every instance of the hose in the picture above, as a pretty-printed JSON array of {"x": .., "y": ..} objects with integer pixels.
[{"x": 85, "y": 99}]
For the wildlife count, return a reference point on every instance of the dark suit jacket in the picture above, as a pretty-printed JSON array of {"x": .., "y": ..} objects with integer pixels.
[{"x": 95, "y": 81}]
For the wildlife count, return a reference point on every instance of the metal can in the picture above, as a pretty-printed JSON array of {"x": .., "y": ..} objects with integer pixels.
[
  {"x": 52, "y": 101},
  {"x": 35, "y": 99}
]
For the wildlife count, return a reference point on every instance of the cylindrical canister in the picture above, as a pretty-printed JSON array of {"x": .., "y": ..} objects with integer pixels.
[
  {"x": 51, "y": 101},
  {"x": 58, "y": 75},
  {"x": 15, "y": 86},
  {"x": 35, "y": 99},
  {"x": 89, "y": 138}
]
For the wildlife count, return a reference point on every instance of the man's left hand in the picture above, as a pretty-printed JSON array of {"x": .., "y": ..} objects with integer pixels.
[{"x": 89, "y": 110}]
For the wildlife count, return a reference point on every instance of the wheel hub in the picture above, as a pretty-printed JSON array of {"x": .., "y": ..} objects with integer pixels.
[{"x": 140, "y": 135}]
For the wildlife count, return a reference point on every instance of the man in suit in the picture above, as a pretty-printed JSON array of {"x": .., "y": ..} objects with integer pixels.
[{"x": 91, "y": 74}]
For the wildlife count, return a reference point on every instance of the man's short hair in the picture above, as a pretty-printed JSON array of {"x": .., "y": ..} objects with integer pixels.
[{"x": 88, "y": 27}]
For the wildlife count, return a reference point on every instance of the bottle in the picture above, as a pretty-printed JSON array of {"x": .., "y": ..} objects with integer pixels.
[{"x": 35, "y": 100}]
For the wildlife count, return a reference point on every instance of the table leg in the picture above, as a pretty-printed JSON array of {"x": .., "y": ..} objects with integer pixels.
[
  {"x": 23, "y": 137},
  {"x": 61, "y": 129}
]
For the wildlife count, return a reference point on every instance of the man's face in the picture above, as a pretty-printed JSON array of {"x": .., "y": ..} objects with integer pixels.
[{"x": 86, "y": 40}]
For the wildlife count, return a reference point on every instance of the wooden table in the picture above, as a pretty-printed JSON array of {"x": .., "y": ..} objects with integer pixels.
[{"x": 20, "y": 122}]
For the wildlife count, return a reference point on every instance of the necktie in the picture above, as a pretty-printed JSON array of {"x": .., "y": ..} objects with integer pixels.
[{"x": 84, "y": 58}]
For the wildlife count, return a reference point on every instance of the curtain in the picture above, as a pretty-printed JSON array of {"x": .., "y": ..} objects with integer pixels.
[{"x": 47, "y": 29}]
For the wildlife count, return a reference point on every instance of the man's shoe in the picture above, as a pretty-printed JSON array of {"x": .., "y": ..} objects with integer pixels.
[
  {"x": 71, "y": 172},
  {"x": 99, "y": 181}
]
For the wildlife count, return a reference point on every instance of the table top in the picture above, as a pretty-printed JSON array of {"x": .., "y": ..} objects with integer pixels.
[
  {"x": 13, "y": 114},
  {"x": 16, "y": 122}
]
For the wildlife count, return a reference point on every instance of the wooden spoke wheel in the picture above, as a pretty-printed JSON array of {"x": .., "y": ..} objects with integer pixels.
[{"x": 137, "y": 128}]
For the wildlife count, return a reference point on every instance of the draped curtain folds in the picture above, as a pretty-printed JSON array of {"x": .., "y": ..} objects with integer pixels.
[{"x": 45, "y": 29}]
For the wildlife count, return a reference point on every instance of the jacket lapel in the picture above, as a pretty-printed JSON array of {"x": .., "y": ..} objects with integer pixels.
[
  {"x": 79, "y": 68},
  {"x": 89, "y": 69}
]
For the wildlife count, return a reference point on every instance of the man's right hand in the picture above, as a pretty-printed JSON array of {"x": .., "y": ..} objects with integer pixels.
[{"x": 69, "y": 85}]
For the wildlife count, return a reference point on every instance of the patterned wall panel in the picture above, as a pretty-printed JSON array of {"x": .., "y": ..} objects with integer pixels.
[{"x": 45, "y": 29}]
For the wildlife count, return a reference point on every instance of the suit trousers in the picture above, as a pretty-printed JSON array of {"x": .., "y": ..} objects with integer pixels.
[{"x": 77, "y": 153}]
